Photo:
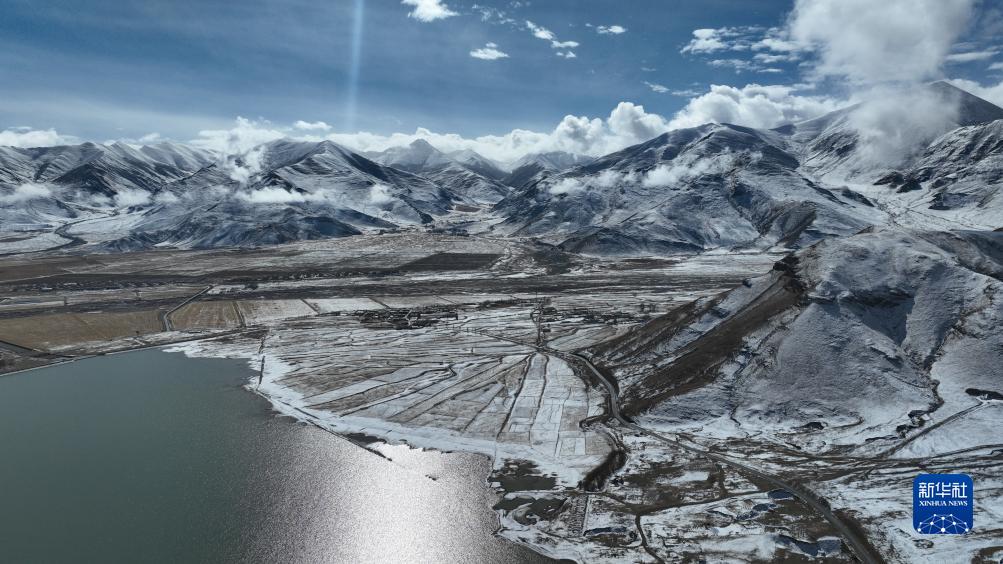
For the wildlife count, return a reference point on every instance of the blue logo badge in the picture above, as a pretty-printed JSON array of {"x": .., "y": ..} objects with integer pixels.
[{"x": 942, "y": 504}]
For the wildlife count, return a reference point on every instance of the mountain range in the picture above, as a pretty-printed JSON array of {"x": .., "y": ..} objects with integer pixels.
[{"x": 716, "y": 186}]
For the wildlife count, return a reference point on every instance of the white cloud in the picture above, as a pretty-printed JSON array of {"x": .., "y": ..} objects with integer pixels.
[
  {"x": 769, "y": 58},
  {"x": 885, "y": 51},
  {"x": 752, "y": 105},
  {"x": 656, "y": 87},
  {"x": 776, "y": 43},
  {"x": 996, "y": 66},
  {"x": 778, "y": 40},
  {"x": 275, "y": 195},
  {"x": 739, "y": 65},
  {"x": 150, "y": 138},
  {"x": 25, "y": 192},
  {"x": 28, "y": 137},
  {"x": 312, "y": 126},
  {"x": 669, "y": 174},
  {"x": 894, "y": 123},
  {"x": 489, "y": 52},
  {"x": 713, "y": 40},
  {"x": 611, "y": 29},
  {"x": 628, "y": 124},
  {"x": 541, "y": 32},
  {"x": 564, "y": 44},
  {"x": 567, "y": 186},
  {"x": 567, "y": 54},
  {"x": 379, "y": 194},
  {"x": 428, "y": 10},
  {"x": 489, "y": 14},
  {"x": 129, "y": 198},
  {"x": 970, "y": 56},
  {"x": 681, "y": 170},
  {"x": 239, "y": 147},
  {"x": 705, "y": 40},
  {"x": 872, "y": 42}
]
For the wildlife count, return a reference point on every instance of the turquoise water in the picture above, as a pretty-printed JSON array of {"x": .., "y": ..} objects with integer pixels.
[{"x": 154, "y": 457}]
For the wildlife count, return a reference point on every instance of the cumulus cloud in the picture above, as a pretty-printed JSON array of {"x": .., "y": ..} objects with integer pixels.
[
  {"x": 489, "y": 52},
  {"x": 25, "y": 192},
  {"x": 428, "y": 10},
  {"x": 567, "y": 54},
  {"x": 870, "y": 42},
  {"x": 752, "y": 105},
  {"x": 28, "y": 137},
  {"x": 611, "y": 29},
  {"x": 885, "y": 51},
  {"x": 627, "y": 124},
  {"x": 311, "y": 126}
]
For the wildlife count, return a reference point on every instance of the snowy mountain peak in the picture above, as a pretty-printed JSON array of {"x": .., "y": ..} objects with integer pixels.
[{"x": 972, "y": 110}]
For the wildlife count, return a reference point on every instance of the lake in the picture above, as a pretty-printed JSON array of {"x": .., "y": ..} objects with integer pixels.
[{"x": 151, "y": 456}]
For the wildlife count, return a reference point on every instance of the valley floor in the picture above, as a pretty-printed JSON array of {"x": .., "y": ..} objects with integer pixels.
[{"x": 463, "y": 343}]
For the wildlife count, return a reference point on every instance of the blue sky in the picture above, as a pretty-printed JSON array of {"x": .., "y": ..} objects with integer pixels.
[{"x": 100, "y": 69}]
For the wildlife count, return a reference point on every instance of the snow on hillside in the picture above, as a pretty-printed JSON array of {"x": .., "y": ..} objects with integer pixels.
[
  {"x": 861, "y": 343},
  {"x": 462, "y": 172},
  {"x": 714, "y": 186}
]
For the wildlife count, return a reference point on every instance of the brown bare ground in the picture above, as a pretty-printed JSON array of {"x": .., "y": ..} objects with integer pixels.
[
  {"x": 45, "y": 332},
  {"x": 206, "y": 315}
]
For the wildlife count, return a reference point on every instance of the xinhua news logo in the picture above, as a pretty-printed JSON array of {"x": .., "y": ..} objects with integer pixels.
[{"x": 943, "y": 504}]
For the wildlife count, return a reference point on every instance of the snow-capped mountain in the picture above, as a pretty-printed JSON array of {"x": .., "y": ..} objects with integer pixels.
[
  {"x": 128, "y": 198},
  {"x": 832, "y": 144},
  {"x": 102, "y": 170},
  {"x": 534, "y": 166},
  {"x": 735, "y": 187},
  {"x": 475, "y": 162},
  {"x": 686, "y": 190},
  {"x": 49, "y": 186},
  {"x": 463, "y": 172},
  {"x": 717, "y": 186}
]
